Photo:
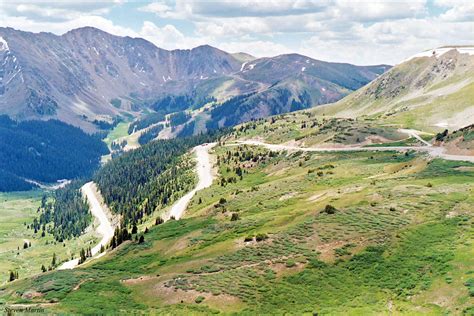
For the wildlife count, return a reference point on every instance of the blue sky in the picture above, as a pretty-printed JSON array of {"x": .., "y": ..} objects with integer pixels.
[{"x": 360, "y": 32}]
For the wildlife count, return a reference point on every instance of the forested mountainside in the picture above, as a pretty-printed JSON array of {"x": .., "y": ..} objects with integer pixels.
[
  {"x": 65, "y": 214},
  {"x": 142, "y": 181},
  {"x": 431, "y": 91},
  {"x": 45, "y": 151},
  {"x": 88, "y": 76}
]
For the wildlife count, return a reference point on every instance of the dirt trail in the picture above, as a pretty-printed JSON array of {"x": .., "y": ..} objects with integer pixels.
[
  {"x": 105, "y": 228},
  {"x": 414, "y": 133},
  {"x": 431, "y": 150},
  {"x": 205, "y": 176}
]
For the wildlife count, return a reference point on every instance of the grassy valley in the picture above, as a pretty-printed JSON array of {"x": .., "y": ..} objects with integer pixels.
[{"x": 18, "y": 210}]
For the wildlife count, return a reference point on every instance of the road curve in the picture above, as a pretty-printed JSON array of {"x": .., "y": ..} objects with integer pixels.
[
  {"x": 105, "y": 228},
  {"x": 431, "y": 150},
  {"x": 204, "y": 172}
]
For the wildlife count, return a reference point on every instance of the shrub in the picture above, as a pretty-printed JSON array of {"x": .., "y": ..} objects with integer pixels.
[
  {"x": 261, "y": 237},
  {"x": 329, "y": 209},
  {"x": 199, "y": 299},
  {"x": 235, "y": 216},
  {"x": 290, "y": 263},
  {"x": 248, "y": 238}
]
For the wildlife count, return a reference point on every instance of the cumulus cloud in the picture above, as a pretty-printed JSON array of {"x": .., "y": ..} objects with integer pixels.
[
  {"x": 388, "y": 42},
  {"x": 357, "y": 31},
  {"x": 168, "y": 36}
]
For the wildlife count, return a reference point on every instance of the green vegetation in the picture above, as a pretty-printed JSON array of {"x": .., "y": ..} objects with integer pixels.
[
  {"x": 66, "y": 216},
  {"x": 150, "y": 134},
  {"x": 309, "y": 129},
  {"x": 116, "y": 103},
  {"x": 146, "y": 121},
  {"x": 140, "y": 182},
  {"x": 119, "y": 131},
  {"x": 18, "y": 211},
  {"x": 357, "y": 232},
  {"x": 179, "y": 118},
  {"x": 43, "y": 151}
]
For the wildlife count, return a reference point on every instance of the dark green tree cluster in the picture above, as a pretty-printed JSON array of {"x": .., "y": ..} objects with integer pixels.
[
  {"x": 138, "y": 182},
  {"x": 150, "y": 134},
  {"x": 67, "y": 210},
  {"x": 188, "y": 129},
  {"x": 175, "y": 103},
  {"x": 120, "y": 235},
  {"x": 179, "y": 118},
  {"x": 45, "y": 151},
  {"x": 237, "y": 161},
  {"x": 13, "y": 276},
  {"x": 146, "y": 121},
  {"x": 84, "y": 254},
  {"x": 245, "y": 107}
]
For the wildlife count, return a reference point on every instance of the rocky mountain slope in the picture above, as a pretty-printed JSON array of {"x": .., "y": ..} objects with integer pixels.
[
  {"x": 432, "y": 90},
  {"x": 88, "y": 75}
]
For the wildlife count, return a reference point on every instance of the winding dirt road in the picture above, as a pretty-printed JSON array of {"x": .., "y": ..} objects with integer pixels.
[
  {"x": 431, "y": 150},
  {"x": 100, "y": 211},
  {"x": 105, "y": 228},
  {"x": 205, "y": 176}
]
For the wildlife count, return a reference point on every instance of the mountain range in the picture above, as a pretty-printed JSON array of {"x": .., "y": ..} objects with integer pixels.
[{"x": 86, "y": 76}]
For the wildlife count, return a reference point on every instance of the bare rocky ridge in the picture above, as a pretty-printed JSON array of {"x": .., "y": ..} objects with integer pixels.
[{"x": 87, "y": 74}]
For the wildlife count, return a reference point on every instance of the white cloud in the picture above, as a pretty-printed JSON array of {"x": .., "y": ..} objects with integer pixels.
[
  {"x": 25, "y": 24},
  {"x": 387, "y": 42},
  {"x": 377, "y": 10},
  {"x": 256, "y": 48},
  {"x": 357, "y": 31},
  {"x": 168, "y": 36}
]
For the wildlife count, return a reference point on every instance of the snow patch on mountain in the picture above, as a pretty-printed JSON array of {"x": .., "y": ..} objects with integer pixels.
[{"x": 3, "y": 45}]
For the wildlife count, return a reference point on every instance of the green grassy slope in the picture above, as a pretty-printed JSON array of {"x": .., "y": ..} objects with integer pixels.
[
  {"x": 398, "y": 241},
  {"x": 426, "y": 93}
]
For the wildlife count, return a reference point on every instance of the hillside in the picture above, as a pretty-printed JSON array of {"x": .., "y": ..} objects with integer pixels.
[
  {"x": 324, "y": 232},
  {"x": 430, "y": 91},
  {"x": 42, "y": 151},
  {"x": 335, "y": 216},
  {"x": 87, "y": 76}
]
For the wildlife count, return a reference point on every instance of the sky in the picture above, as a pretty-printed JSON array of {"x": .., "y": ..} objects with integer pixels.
[{"x": 358, "y": 32}]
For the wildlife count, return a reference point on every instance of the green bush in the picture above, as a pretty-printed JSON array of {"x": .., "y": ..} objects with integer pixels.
[
  {"x": 199, "y": 299},
  {"x": 329, "y": 209}
]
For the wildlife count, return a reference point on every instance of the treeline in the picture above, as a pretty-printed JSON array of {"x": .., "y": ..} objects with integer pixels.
[
  {"x": 146, "y": 121},
  {"x": 150, "y": 134},
  {"x": 251, "y": 106},
  {"x": 176, "y": 103},
  {"x": 179, "y": 118},
  {"x": 188, "y": 129},
  {"x": 68, "y": 212},
  {"x": 45, "y": 151},
  {"x": 138, "y": 182}
]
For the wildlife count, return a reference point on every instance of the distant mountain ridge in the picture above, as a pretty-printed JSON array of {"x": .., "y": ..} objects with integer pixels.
[{"x": 88, "y": 75}]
